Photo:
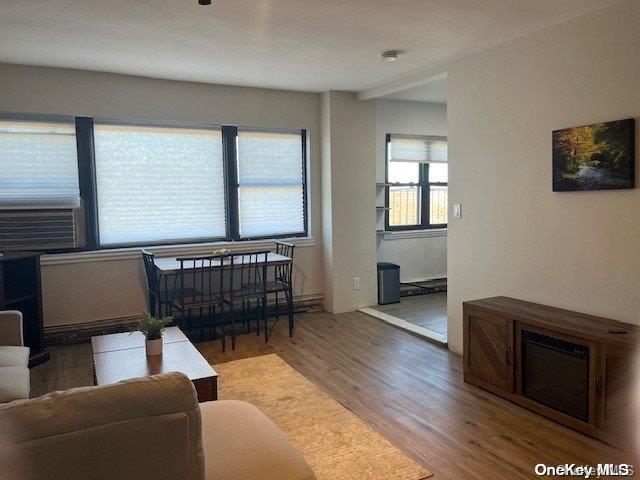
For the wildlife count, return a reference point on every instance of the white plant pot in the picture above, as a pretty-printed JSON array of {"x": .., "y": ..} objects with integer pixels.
[{"x": 154, "y": 347}]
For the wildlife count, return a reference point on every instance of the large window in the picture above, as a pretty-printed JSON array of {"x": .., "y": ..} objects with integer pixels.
[
  {"x": 270, "y": 183},
  {"x": 39, "y": 164},
  {"x": 137, "y": 184},
  {"x": 185, "y": 184},
  {"x": 417, "y": 175},
  {"x": 158, "y": 184}
]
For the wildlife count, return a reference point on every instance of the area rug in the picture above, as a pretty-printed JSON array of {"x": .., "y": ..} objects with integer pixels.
[{"x": 333, "y": 440}]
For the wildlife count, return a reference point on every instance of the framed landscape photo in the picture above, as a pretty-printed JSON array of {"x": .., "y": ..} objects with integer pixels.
[{"x": 594, "y": 157}]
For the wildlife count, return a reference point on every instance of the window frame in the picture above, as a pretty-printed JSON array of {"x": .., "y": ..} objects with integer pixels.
[
  {"x": 233, "y": 184},
  {"x": 95, "y": 217},
  {"x": 424, "y": 187},
  {"x": 88, "y": 186}
]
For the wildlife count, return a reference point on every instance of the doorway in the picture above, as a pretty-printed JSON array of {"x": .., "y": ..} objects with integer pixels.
[{"x": 411, "y": 205}]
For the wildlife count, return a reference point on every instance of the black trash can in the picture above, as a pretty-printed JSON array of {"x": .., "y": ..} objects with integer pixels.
[{"x": 388, "y": 283}]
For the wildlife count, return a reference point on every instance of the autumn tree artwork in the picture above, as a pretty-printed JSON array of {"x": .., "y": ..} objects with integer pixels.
[{"x": 594, "y": 157}]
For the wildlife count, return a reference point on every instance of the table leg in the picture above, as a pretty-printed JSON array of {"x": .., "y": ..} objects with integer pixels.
[{"x": 207, "y": 389}]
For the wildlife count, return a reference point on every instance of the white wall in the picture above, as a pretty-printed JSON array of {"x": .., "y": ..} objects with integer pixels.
[
  {"x": 104, "y": 289},
  {"x": 327, "y": 211},
  {"x": 348, "y": 173},
  {"x": 420, "y": 256},
  {"x": 577, "y": 250}
]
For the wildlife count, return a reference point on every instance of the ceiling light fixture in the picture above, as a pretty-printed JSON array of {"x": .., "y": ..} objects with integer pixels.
[
  {"x": 390, "y": 55},
  {"x": 204, "y": 2}
]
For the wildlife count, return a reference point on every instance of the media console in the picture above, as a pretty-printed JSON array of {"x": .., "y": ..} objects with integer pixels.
[{"x": 576, "y": 369}]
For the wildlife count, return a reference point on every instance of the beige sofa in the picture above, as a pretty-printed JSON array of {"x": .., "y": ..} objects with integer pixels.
[
  {"x": 14, "y": 358},
  {"x": 148, "y": 428}
]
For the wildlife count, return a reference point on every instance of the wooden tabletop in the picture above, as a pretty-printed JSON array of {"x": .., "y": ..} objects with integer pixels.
[
  {"x": 135, "y": 339},
  {"x": 172, "y": 265},
  {"x": 117, "y": 357},
  {"x": 118, "y": 365}
]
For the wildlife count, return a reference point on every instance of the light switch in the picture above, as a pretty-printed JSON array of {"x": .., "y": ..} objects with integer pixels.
[{"x": 457, "y": 210}]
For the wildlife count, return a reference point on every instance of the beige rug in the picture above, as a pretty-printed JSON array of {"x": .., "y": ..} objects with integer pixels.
[{"x": 335, "y": 442}]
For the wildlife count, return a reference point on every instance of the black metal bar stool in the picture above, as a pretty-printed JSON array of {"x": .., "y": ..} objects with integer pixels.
[{"x": 283, "y": 282}]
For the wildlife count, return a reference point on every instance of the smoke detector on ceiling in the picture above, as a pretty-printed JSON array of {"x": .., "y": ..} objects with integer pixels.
[{"x": 390, "y": 55}]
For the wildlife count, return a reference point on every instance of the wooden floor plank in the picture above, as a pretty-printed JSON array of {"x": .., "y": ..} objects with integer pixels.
[{"x": 408, "y": 389}]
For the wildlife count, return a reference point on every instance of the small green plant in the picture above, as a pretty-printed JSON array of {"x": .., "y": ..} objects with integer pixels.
[{"x": 152, "y": 327}]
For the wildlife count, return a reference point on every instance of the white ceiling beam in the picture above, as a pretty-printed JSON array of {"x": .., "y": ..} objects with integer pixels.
[{"x": 416, "y": 79}]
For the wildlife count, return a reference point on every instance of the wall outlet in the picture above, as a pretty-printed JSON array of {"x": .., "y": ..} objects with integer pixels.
[
  {"x": 457, "y": 210},
  {"x": 356, "y": 283}
]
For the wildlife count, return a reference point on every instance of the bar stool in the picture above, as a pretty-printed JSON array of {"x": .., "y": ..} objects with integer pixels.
[{"x": 283, "y": 282}]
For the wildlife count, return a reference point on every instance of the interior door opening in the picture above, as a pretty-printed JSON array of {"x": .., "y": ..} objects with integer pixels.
[{"x": 412, "y": 209}]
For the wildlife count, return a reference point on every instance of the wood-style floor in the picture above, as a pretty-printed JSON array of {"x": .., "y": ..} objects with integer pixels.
[
  {"x": 408, "y": 389},
  {"x": 428, "y": 311}
]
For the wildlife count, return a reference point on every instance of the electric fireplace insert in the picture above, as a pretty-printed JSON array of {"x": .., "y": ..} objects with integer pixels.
[{"x": 555, "y": 373}]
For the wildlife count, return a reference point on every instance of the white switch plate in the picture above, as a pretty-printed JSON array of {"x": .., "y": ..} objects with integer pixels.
[
  {"x": 457, "y": 210},
  {"x": 356, "y": 283}
]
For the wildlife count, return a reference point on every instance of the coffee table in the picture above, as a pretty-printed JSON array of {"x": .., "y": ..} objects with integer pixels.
[{"x": 121, "y": 356}]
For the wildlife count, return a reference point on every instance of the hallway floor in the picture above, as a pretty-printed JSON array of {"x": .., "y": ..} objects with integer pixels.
[{"x": 428, "y": 311}]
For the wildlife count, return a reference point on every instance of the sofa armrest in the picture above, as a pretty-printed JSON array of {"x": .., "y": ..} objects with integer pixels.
[{"x": 11, "y": 328}]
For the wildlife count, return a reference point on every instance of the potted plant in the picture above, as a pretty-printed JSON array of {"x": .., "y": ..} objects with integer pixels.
[{"x": 152, "y": 329}]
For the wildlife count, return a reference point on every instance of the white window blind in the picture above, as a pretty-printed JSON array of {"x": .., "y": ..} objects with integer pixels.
[
  {"x": 421, "y": 150},
  {"x": 158, "y": 184},
  {"x": 270, "y": 183},
  {"x": 38, "y": 165}
]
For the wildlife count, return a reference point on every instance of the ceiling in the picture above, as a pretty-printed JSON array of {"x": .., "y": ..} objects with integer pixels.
[
  {"x": 292, "y": 44},
  {"x": 434, "y": 91}
]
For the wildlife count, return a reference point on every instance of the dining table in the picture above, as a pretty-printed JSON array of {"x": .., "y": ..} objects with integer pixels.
[{"x": 171, "y": 265}]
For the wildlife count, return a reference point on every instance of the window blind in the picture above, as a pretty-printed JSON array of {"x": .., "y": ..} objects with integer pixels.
[
  {"x": 418, "y": 149},
  {"x": 157, "y": 184},
  {"x": 39, "y": 165},
  {"x": 270, "y": 183}
]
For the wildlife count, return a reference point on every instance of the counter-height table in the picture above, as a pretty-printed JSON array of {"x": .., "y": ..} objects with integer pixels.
[{"x": 171, "y": 265}]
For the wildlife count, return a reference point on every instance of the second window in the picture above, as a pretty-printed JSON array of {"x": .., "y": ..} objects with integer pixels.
[{"x": 416, "y": 176}]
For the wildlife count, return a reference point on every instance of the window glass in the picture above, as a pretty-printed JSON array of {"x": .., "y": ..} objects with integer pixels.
[
  {"x": 404, "y": 206},
  {"x": 39, "y": 165},
  {"x": 438, "y": 204},
  {"x": 404, "y": 172},
  {"x": 157, "y": 184},
  {"x": 270, "y": 179},
  {"x": 438, "y": 172}
]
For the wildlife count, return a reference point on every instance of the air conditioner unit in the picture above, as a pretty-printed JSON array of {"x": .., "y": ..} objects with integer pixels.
[{"x": 37, "y": 230}]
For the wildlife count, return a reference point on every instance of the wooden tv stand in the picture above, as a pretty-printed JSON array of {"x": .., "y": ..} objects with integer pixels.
[{"x": 493, "y": 343}]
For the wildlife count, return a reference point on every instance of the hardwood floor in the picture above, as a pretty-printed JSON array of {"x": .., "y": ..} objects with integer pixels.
[
  {"x": 428, "y": 310},
  {"x": 408, "y": 389}
]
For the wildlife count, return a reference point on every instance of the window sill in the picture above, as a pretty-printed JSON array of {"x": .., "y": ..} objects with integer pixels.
[
  {"x": 165, "y": 251},
  {"x": 406, "y": 234}
]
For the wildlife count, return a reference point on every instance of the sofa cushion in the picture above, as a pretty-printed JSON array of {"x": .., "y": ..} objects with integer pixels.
[
  {"x": 14, "y": 383},
  {"x": 11, "y": 356},
  {"x": 241, "y": 443},
  {"x": 140, "y": 428}
]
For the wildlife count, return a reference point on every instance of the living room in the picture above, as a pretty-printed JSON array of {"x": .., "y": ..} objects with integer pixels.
[{"x": 151, "y": 151}]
